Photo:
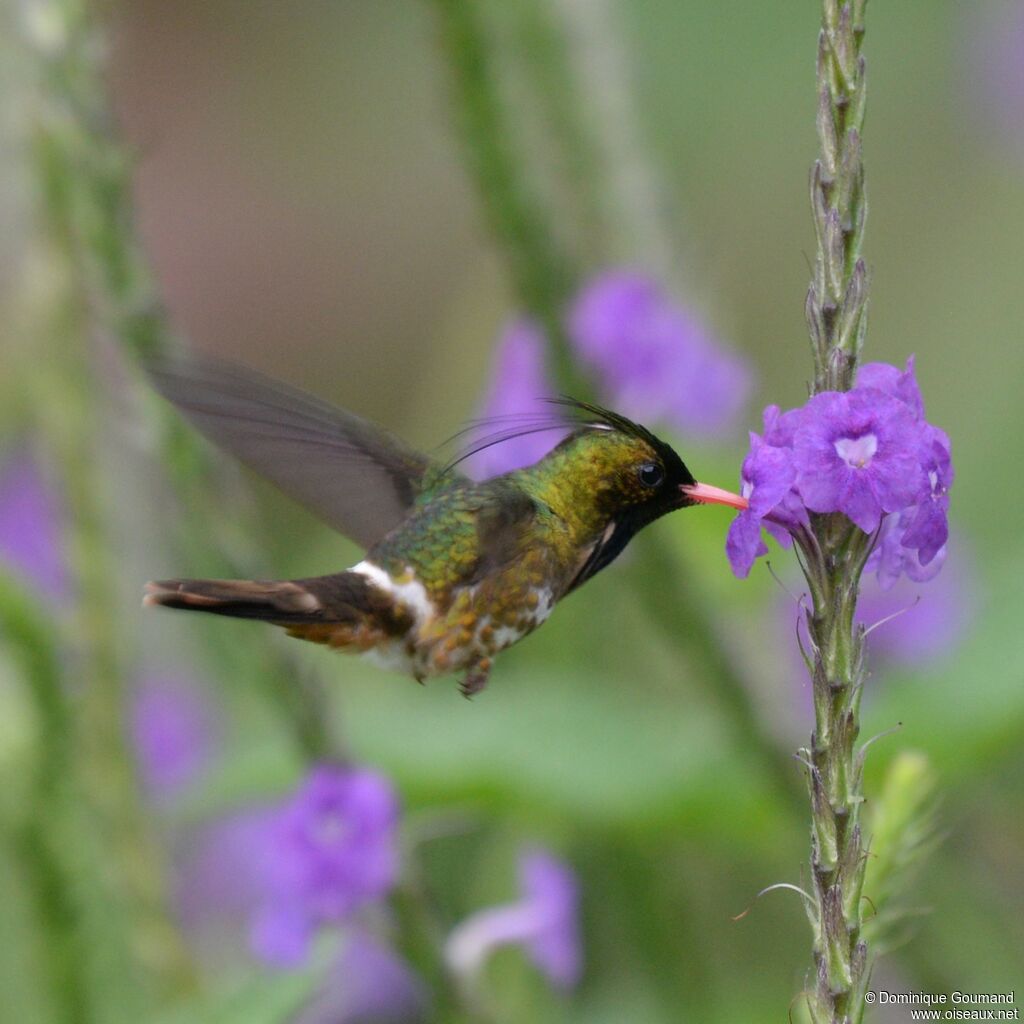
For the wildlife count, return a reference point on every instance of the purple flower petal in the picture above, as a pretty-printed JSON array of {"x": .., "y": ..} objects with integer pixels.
[
  {"x": 896, "y": 383},
  {"x": 515, "y": 397},
  {"x": 893, "y": 557},
  {"x": 545, "y": 921},
  {"x": 767, "y": 476},
  {"x": 223, "y": 873},
  {"x": 937, "y": 459},
  {"x": 780, "y": 427},
  {"x": 333, "y": 847},
  {"x": 859, "y": 453},
  {"x": 743, "y": 544},
  {"x": 30, "y": 527},
  {"x": 550, "y": 886},
  {"x": 927, "y": 623},
  {"x": 927, "y": 532},
  {"x": 609, "y": 314},
  {"x": 281, "y": 935},
  {"x": 369, "y": 984},
  {"x": 174, "y": 732},
  {"x": 867, "y": 453}
]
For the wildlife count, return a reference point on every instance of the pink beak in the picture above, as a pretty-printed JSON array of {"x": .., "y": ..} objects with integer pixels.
[{"x": 705, "y": 494}]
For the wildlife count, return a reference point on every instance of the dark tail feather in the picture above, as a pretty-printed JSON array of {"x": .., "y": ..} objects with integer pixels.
[{"x": 282, "y": 602}]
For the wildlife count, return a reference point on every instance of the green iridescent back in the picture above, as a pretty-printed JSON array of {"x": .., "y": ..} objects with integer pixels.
[{"x": 459, "y": 530}]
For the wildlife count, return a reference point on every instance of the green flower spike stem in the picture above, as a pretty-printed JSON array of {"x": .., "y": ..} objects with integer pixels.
[
  {"x": 834, "y": 551},
  {"x": 837, "y": 297}
]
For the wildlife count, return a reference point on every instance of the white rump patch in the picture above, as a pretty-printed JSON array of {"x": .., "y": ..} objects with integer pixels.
[{"x": 411, "y": 595}]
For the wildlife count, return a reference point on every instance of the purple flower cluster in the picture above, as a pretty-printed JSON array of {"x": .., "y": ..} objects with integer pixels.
[
  {"x": 868, "y": 453},
  {"x": 227, "y": 879},
  {"x": 651, "y": 358},
  {"x": 327, "y": 851},
  {"x": 545, "y": 921},
  {"x": 654, "y": 358}
]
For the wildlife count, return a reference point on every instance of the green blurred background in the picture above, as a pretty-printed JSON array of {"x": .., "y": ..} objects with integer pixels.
[{"x": 302, "y": 201}]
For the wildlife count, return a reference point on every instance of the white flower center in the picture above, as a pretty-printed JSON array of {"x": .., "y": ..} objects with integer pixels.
[
  {"x": 331, "y": 828},
  {"x": 857, "y": 452}
]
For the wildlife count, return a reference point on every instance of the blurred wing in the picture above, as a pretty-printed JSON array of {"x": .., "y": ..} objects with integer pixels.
[{"x": 353, "y": 475}]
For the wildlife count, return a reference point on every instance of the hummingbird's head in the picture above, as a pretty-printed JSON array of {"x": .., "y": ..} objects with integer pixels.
[
  {"x": 618, "y": 471},
  {"x": 609, "y": 479}
]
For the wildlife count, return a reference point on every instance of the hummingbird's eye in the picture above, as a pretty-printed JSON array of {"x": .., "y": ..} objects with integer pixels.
[{"x": 651, "y": 474}]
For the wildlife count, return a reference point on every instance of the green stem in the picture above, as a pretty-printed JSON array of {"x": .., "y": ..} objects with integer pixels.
[
  {"x": 29, "y": 632},
  {"x": 536, "y": 64},
  {"x": 837, "y": 298},
  {"x": 620, "y": 183},
  {"x": 835, "y": 551},
  {"x": 539, "y": 266}
]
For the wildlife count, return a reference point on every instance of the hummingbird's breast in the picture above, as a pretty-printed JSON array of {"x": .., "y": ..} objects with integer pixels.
[{"x": 463, "y": 625}]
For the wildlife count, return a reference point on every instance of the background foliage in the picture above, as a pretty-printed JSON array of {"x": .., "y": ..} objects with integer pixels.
[{"x": 303, "y": 205}]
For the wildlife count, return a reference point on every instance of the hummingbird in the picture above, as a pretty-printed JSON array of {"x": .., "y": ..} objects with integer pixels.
[{"x": 454, "y": 571}]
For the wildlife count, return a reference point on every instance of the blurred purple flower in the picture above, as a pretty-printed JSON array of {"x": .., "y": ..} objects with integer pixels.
[
  {"x": 174, "y": 732},
  {"x": 224, "y": 881},
  {"x": 926, "y": 623},
  {"x": 996, "y": 66},
  {"x": 329, "y": 849},
  {"x": 858, "y": 452},
  {"x": 221, "y": 871},
  {"x": 515, "y": 400},
  {"x": 545, "y": 921},
  {"x": 30, "y": 527},
  {"x": 369, "y": 984},
  {"x": 654, "y": 358}
]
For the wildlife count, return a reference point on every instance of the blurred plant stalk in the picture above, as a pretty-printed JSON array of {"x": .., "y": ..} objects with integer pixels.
[
  {"x": 86, "y": 171},
  {"x": 76, "y": 175},
  {"x": 834, "y": 552},
  {"x": 103, "y": 323},
  {"x": 526, "y": 218},
  {"x": 27, "y": 629}
]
